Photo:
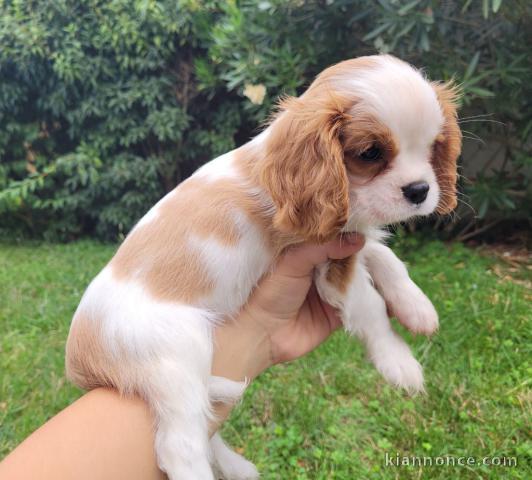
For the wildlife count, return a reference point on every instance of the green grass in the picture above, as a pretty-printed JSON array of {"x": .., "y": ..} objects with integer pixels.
[{"x": 328, "y": 415}]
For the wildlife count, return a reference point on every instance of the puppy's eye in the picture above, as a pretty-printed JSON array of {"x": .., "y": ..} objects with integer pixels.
[{"x": 372, "y": 154}]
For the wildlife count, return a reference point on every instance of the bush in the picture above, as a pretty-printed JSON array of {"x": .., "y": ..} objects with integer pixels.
[
  {"x": 105, "y": 106},
  {"x": 100, "y": 113}
]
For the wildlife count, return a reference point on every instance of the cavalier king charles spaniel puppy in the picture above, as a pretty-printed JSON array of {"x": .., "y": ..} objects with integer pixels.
[{"x": 371, "y": 142}]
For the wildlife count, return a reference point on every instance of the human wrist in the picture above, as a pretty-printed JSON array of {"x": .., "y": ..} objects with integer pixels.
[
  {"x": 241, "y": 353},
  {"x": 242, "y": 349}
]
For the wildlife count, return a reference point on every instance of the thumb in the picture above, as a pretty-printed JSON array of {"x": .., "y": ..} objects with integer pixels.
[{"x": 301, "y": 260}]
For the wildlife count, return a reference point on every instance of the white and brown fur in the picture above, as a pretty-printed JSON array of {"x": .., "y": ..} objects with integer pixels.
[{"x": 145, "y": 323}]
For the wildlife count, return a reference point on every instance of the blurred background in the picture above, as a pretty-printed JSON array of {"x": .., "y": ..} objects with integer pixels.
[{"x": 105, "y": 106}]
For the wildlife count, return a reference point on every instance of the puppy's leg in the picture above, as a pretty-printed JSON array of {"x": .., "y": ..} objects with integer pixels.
[
  {"x": 228, "y": 464},
  {"x": 171, "y": 366},
  {"x": 161, "y": 351},
  {"x": 178, "y": 396},
  {"x": 404, "y": 298},
  {"x": 346, "y": 285}
]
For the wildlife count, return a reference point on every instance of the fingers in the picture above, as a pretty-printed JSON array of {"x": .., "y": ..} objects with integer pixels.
[
  {"x": 324, "y": 312},
  {"x": 285, "y": 289},
  {"x": 332, "y": 316},
  {"x": 301, "y": 260}
]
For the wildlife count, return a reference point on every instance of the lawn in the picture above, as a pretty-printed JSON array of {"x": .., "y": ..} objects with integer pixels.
[{"x": 328, "y": 415}]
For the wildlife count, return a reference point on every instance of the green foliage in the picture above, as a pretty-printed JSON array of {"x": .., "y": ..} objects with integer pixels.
[
  {"x": 105, "y": 106},
  {"x": 99, "y": 111},
  {"x": 329, "y": 415}
]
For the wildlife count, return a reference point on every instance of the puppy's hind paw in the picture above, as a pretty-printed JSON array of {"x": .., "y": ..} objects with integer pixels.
[
  {"x": 229, "y": 465},
  {"x": 238, "y": 468}
]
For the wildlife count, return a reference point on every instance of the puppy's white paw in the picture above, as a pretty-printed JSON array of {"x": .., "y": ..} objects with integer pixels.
[
  {"x": 394, "y": 360},
  {"x": 226, "y": 391},
  {"x": 200, "y": 470},
  {"x": 237, "y": 469},
  {"x": 413, "y": 309},
  {"x": 229, "y": 465}
]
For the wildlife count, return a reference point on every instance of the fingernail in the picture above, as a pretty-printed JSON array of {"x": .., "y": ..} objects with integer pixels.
[{"x": 352, "y": 238}]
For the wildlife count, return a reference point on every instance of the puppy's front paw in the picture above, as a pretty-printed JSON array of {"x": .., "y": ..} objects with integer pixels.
[
  {"x": 413, "y": 309},
  {"x": 394, "y": 360}
]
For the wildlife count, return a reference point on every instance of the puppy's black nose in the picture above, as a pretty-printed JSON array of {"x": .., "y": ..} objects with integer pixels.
[{"x": 416, "y": 192}]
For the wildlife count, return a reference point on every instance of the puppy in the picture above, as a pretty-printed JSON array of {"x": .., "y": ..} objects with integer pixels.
[{"x": 371, "y": 142}]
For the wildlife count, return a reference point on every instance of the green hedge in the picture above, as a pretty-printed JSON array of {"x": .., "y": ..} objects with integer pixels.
[{"x": 105, "y": 106}]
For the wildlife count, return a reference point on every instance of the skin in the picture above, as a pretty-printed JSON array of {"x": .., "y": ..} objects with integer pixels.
[{"x": 105, "y": 436}]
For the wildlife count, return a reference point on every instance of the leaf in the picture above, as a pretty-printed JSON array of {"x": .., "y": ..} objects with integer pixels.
[
  {"x": 472, "y": 66},
  {"x": 264, "y": 5},
  {"x": 508, "y": 202},
  {"x": 483, "y": 208},
  {"x": 406, "y": 8},
  {"x": 496, "y": 5},
  {"x": 425, "y": 43},
  {"x": 481, "y": 92},
  {"x": 386, "y": 5},
  {"x": 485, "y": 8},
  {"x": 375, "y": 32},
  {"x": 407, "y": 28},
  {"x": 466, "y": 5}
]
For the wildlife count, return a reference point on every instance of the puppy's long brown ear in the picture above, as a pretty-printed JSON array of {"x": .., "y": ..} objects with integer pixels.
[
  {"x": 303, "y": 168},
  {"x": 447, "y": 147}
]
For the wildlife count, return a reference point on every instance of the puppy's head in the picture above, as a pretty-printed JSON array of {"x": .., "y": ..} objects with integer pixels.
[{"x": 371, "y": 142}]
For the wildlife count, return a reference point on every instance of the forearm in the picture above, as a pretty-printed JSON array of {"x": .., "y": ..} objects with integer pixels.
[
  {"x": 241, "y": 353},
  {"x": 104, "y": 435},
  {"x": 100, "y": 436},
  {"x": 241, "y": 349}
]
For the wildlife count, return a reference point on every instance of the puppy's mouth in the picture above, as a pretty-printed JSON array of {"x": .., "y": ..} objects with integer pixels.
[
  {"x": 369, "y": 210},
  {"x": 379, "y": 217}
]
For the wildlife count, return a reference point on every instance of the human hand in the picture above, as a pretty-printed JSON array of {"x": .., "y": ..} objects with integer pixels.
[
  {"x": 287, "y": 306},
  {"x": 284, "y": 317}
]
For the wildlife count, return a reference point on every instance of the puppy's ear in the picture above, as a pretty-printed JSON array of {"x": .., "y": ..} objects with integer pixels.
[
  {"x": 303, "y": 168},
  {"x": 447, "y": 147}
]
